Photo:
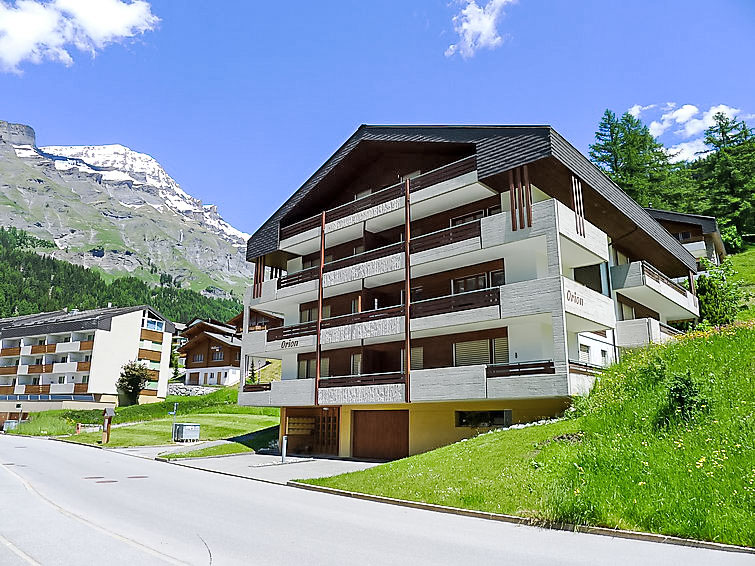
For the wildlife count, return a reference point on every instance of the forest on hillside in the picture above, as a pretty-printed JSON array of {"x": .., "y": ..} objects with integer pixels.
[
  {"x": 719, "y": 182},
  {"x": 31, "y": 283}
]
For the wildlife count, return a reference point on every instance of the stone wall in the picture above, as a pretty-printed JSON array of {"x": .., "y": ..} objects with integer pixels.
[{"x": 189, "y": 390}]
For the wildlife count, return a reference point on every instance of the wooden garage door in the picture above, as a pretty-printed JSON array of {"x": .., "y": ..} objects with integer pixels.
[{"x": 380, "y": 435}]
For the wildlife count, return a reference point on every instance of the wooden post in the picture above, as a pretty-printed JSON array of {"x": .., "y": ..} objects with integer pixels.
[
  {"x": 512, "y": 199},
  {"x": 407, "y": 292},
  {"x": 520, "y": 196},
  {"x": 691, "y": 277},
  {"x": 528, "y": 196},
  {"x": 318, "y": 349}
]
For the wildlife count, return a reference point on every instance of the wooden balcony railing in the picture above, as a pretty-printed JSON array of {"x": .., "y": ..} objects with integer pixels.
[
  {"x": 450, "y": 171},
  {"x": 669, "y": 330},
  {"x": 7, "y": 389},
  {"x": 83, "y": 366},
  {"x": 8, "y": 370},
  {"x": 37, "y": 389},
  {"x": 298, "y": 277},
  {"x": 367, "y": 379},
  {"x": 79, "y": 388},
  {"x": 43, "y": 349},
  {"x": 150, "y": 355},
  {"x": 293, "y": 331},
  {"x": 658, "y": 276},
  {"x": 252, "y": 387},
  {"x": 88, "y": 345},
  {"x": 444, "y": 173},
  {"x": 10, "y": 352},
  {"x": 584, "y": 368},
  {"x": 308, "y": 328},
  {"x": 40, "y": 368},
  {"x": 521, "y": 368},
  {"x": 456, "y": 303},
  {"x": 377, "y": 253},
  {"x": 446, "y": 236}
]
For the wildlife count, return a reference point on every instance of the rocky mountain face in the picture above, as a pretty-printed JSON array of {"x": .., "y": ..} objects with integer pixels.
[{"x": 117, "y": 209}]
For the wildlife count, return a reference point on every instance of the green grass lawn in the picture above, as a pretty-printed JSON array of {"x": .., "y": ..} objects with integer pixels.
[
  {"x": 665, "y": 443},
  {"x": 212, "y": 427},
  {"x": 221, "y": 402},
  {"x": 261, "y": 440},
  {"x": 744, "y": 264}
]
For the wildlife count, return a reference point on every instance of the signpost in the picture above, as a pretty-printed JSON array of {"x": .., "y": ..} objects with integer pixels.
[
  {"x": 173, "y": 428},
  {"x": 107, "y": 415}
]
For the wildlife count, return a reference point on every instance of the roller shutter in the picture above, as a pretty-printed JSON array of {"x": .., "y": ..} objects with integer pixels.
[{"x": 472, "y": 353}]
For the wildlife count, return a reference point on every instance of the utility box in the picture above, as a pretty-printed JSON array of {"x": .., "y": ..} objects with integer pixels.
[
  {"x": 10, "y": 425},
  {"x": 185, "y": 432}
]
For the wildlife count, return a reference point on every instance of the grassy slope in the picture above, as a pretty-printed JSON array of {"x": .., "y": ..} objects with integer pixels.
[
  {"x": 223, "y": 401},
  {"x": 692, "y": 478},
  {"x": 156, "y": 432},
  {"x": 744, "y": 263}
]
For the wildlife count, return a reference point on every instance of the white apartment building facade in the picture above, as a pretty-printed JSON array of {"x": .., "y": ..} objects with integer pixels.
[
  {"x": 73, "y": 359},
  {"x": 438, "y": 281}
]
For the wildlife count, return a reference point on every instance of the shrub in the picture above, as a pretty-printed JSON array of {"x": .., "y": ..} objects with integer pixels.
[
  {"x": 134, "y": 377},
  {"x": 732, "y": 240},
  {"x": 719, "y": 294},
  {"x": 683, "y": 401}
]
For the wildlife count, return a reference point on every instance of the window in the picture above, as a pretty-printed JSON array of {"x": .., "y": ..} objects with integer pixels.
[
  {"x": 153, "y": 324},
  {"x": 217, "y": 353},
  {"x": 356, "y": 304},
  {"x": 487, "y": 419},
  {"x": 90, "y": 337},
  {"x": 238, "y": 355},
  {"x": 38, "y": 362},
  {"x": 472, "y": 353},
  {"x": 683, "y": 236},
  {"x": 198, "y": 357},
  {"x": 61, "y": 379},
  {"x": 308, "y": 368},
  {"x": 35, "y": 381},
  {"x": 604, "y": 357},
  {"x": 85, "y": 379},
  {"x": 584, "y": 353},
  {"x": 63, "y": 359},
  {"x": 362, "y": 194},
  {"x": 467, "y": 217},
  {"x": 497, "y": 278},
  {"x": 417, "y": 358},
  {"x": 494, "y": 210},
  {"x": 471, "y": 283},
  {"x": 314, "y": 261},
  {"x": 41, "y": 342},
  {"x": 87, "y": 358},
  {"x": 310, "y": 314},
  {"x": 356, "y": 364},
  {"x": 501, "y": 350}
]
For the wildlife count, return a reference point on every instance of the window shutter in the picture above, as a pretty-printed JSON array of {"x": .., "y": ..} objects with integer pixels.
[
  {"x": 418, "y": 358},
  {"x": 356, "y": 364},
  {"x": 324, "y": 367},
  {"x": 501, "y": 350},
  {"x": 472, "y": 353},
  {"x": 584, "y": 353}
]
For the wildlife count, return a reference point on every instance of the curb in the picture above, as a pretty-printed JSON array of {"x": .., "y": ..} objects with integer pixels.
[{"x": 516, "y": 520}]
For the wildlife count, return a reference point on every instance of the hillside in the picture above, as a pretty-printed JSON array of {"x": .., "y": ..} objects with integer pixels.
[
  {"x": 32, "y": 282},
  {"x": 664, "y": 444},
  {"x": 118, "y": 210},
  {"x": 744, "y": 264}
]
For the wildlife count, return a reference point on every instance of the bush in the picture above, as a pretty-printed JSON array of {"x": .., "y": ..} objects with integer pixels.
[
  {"x": 134, "y": 377},
  {"x": 732, "y": 240},
  {"x": 719, "y": 294},
  {"x": 683, "y": 401}
]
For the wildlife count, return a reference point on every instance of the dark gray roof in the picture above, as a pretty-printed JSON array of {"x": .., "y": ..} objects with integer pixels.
[
  {"x": 230, "y": 340},
  {"x": 707, "y": 223},
  {"x": 67, "y": 321},
  {"x": 497, "y": 149}
]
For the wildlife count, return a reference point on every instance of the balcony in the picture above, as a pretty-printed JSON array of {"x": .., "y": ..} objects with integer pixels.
[
  {"x": 8, "y": 370},
  {"x": 640, "y": 332},
  {"x": 375, "y": 204},
  {"x": 363, "y": 379},
  {"x": 10, "y": 351},
  {"x": 519, "y": 369},
  {"x": 646, "y": 285},
  {"x": 284, "y": 393},
  {"x": 43, "y": 349},
  {"x": 39, "y": 368}
]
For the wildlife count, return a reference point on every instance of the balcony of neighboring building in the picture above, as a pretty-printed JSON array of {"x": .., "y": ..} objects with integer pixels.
[
  {"x": 642, "y": 283},
  {"x": 639, "y": 332}
]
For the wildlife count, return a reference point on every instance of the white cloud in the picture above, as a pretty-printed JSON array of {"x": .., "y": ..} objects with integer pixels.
[
  {"x": 679, "y": 115},
  {"x": 36, "y": 30},
  {"x": 638, "y": 109},
  {"x": 687, "y": 151},
  {"x": 477, "y": 27},
  {"x": 698, "y": 125}
]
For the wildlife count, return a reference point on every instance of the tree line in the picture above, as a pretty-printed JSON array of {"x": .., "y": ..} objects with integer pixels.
[
  {"x": 32, "y": 283},
  {"x": 720, "y": 182}
]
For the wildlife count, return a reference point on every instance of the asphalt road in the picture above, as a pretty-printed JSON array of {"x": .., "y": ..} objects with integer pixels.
[{"x": 64, "y": 504}]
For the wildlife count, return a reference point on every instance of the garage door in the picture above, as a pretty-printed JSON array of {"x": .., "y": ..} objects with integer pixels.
[{"x": 380, "y": 435}]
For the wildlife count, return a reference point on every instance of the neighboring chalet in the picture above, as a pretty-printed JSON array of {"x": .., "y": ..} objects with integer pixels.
[
  {"x": 213, "y": 348},
  {"x": 698, "y": 234},
  {"x": 437, "y": 281},
  {"x": 68, "y": 359}
]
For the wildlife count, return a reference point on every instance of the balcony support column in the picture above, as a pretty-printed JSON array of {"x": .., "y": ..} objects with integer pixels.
[
  {"x": 407, "y": 291},
  {"x": 691, "y": 278},
  {"x": 319, "y": 307}
]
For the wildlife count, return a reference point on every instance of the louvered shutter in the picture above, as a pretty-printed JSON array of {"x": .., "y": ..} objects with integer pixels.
[
  {"x": 472, "y": 353},
  {"x": 324, "y": 367},
  {"x": 501, "y": 350},
  {"x": 418, "y": 358},
  {"x": 356, "y": 364}
]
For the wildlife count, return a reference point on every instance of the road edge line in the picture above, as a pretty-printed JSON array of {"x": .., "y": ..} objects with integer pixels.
[{"x": 516, "y": 520}]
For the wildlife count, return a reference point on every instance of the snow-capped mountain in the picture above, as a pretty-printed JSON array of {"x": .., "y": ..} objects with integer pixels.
[
  {"x": 118, "y": 163},
  {"x": 117, "y": 209}
]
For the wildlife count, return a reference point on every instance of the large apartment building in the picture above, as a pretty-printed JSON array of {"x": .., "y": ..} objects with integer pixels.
[
  {"x": 437, "y": 281},
  {"x": 74, "y": 358}
]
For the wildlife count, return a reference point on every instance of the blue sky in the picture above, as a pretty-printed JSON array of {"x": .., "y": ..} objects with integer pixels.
[{"x": 242, "y": 101}]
